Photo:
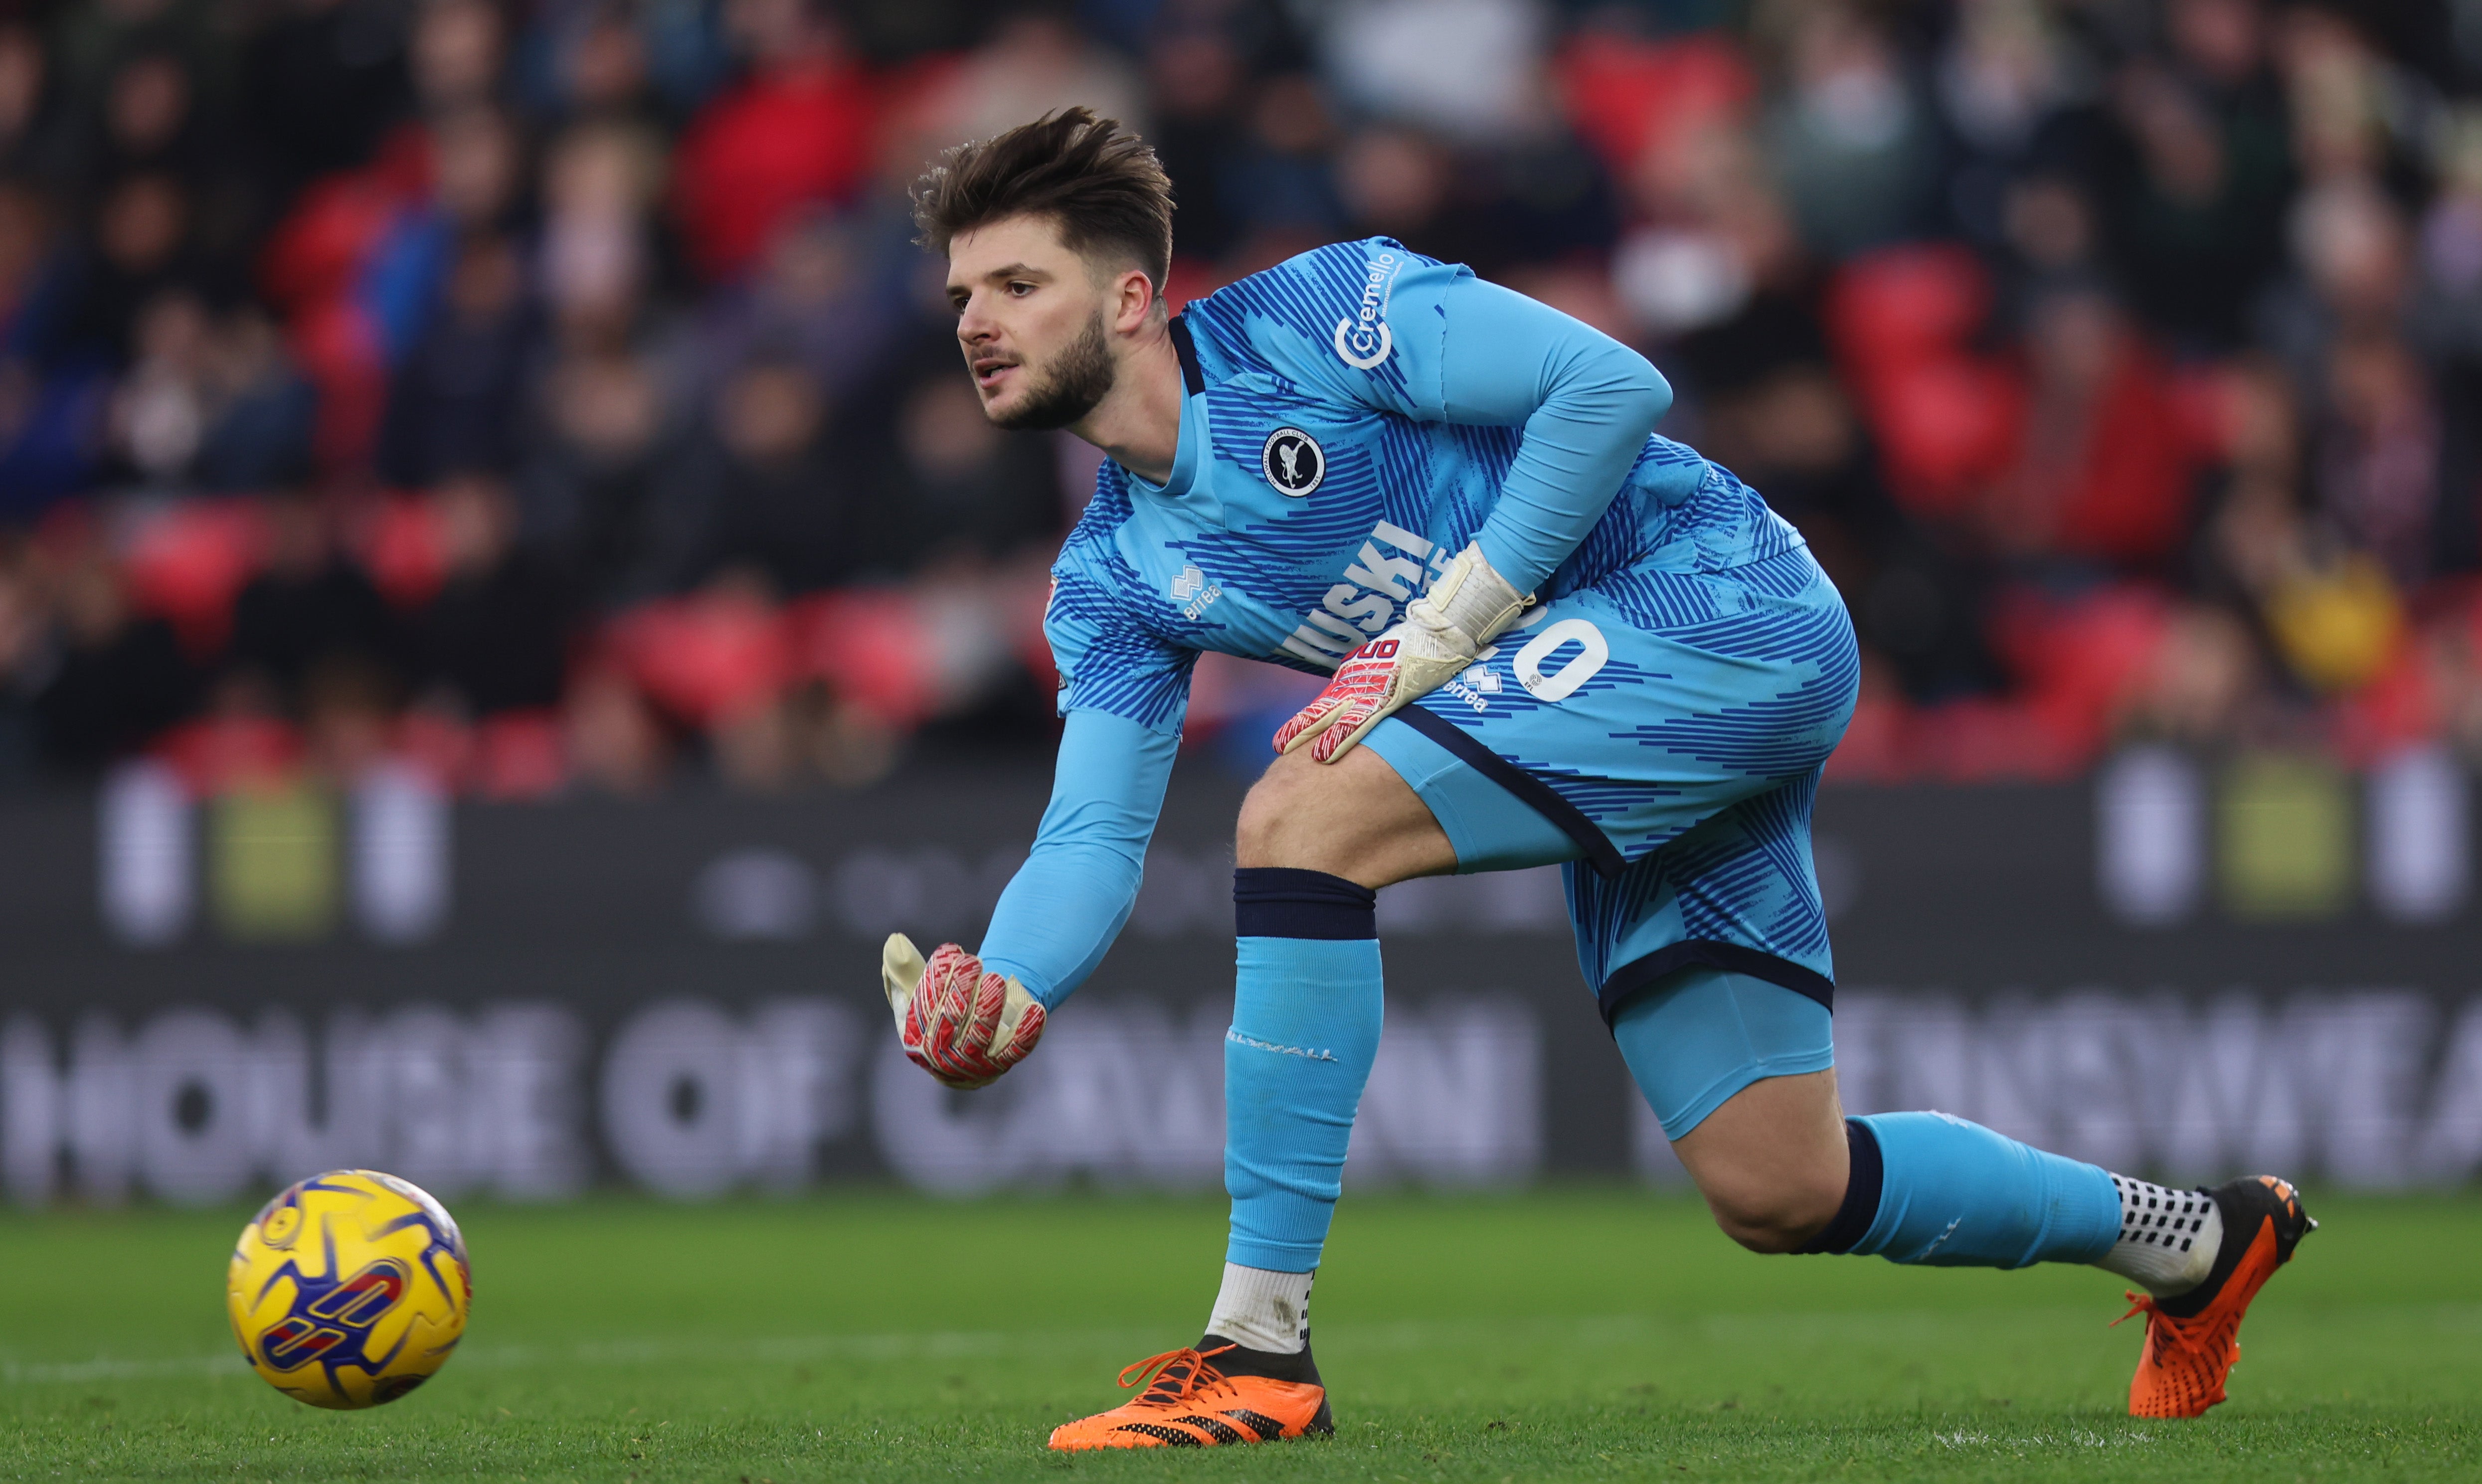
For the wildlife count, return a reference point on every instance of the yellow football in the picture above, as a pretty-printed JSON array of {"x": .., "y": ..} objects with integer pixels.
[{"x": 349, "y": 1289}]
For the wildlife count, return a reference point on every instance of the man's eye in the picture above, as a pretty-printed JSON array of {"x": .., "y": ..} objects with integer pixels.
[{"x": 1021, "y": 290}]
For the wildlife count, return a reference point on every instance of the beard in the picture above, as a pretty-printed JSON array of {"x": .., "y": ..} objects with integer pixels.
[{"x": 1079, "y": 379}]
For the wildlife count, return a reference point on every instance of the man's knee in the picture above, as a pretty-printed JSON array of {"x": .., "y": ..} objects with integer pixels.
[
  {"x": 1781, "y": 1213},
  {"x": 1773, "y": 1160},
  {"x": 1352, "y": 819},
  {"x": 1274, "y": 828}
]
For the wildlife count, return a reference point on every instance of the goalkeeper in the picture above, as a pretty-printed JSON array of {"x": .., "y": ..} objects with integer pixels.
[{"x": 1553, "y": 637}]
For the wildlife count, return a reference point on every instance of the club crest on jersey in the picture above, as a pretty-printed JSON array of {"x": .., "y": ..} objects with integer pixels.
[
  {"x": 1362, "y": 338},
  {"x": 1292, "y": 461}
]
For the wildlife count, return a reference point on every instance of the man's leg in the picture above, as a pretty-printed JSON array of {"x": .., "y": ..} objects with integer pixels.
[
  {"x": 1313, "y": 844},
  {"x": 1784, "y": 1170},
  {"x": 1316, "y": 841}
]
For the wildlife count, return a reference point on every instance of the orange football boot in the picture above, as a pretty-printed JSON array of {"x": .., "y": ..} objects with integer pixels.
[
  {"x": 1191, "y": 1403},
  {"x": 2193, "y": 1339}
]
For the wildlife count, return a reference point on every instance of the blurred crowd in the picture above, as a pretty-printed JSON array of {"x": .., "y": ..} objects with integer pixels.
[{"x": 548, "y": 392}]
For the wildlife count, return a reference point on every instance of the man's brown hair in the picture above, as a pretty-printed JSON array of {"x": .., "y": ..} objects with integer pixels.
[{"x": 1099, "y": 184}]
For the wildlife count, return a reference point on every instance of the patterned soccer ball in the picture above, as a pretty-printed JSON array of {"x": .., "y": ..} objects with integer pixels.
[{"x": 349, "y": 1289}]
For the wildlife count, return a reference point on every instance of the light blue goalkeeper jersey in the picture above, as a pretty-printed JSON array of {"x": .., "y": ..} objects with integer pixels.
[
  {"x": 1324, "y": 477},
  {"x": 1354, "y": 417}
]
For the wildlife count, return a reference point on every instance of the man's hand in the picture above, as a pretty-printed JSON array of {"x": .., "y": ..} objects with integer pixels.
[
  {"x": 959, "y": 1023},
  {"x": 1467, "y": 608}
]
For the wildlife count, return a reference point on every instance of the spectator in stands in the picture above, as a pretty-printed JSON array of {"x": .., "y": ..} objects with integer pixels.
[
  {"x": 455, "y": 400},
  {"x": 772, "y": 496},
  {"x": 2105, "y": 464},
  {"x": 309, "y": 611},
  {"x": 796, "y": 132},
  {"x": 321, "y": 82},
  {"x": 828, "y": 294},
  {"x": 211, "y": 402},
  {"x": 2191, "y": 166},
  {"x": 496, "y": 637},
  {"x": 115, "y": 678},
  {"x": 949, "y": 490},
  {"x": 2057, "y": 336},
  {"x": 590, "y": 495},
  {"x": 141, "y": 245},
  {"x": 1848, "y": 134}
]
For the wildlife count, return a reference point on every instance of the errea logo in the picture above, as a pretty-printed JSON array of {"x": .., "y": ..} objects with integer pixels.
[
  {"x": 1191, "y": 588},
  {"x": 1363, "y": 338}
]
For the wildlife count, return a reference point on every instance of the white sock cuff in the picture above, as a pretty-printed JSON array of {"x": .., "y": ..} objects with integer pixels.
[{"x": 1263, "y": 1309}]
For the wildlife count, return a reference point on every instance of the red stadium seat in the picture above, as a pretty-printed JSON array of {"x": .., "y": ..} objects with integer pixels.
[
  {"x": 187, "y": 562},
  {"x": 708, "y": 658}
]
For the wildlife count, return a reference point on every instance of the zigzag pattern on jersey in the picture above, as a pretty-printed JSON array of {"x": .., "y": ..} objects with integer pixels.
[
  {"x": 1096, "y": 555},
  {"x": 1603, "y": 912},
  {"x": 1107, "y": 664},
  {"x": 1291, "y": 562},
  {"x": 1740, "y": 877},
  {"x": 1782, "y": 737},
  {"x": 1312, "y": 290},
  {"x": 1751, "y": 882},
  {"x": 1117, "y": 641},
  {"x": 1429, "y": 491},
  {"x": 1662, "y": 602},
  {"x": 1594, "y": 796},
  {"x": 1613, "y": 547},
  {"x": 1723, "y": 525}
]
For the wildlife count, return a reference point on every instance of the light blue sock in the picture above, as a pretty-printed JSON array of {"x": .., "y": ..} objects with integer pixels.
[
  {"x": 1305, "y": 1018},
  {"x": 1955, "y": 1194}
]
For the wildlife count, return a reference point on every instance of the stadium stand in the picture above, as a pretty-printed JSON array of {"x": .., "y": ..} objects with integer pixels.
[{"x": 551, "y": 394}]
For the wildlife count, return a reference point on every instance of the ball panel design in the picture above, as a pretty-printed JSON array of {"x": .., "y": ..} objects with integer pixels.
[{"x": 349, "y": 1289}]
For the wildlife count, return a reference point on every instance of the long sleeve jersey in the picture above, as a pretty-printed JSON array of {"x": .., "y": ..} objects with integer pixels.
[{"x": 1354, "y": 417}]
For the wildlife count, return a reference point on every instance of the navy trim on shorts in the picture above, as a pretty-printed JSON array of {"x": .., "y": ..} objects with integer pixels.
[
  {"x": 1638, "y": 974},
  {"x": 1278, "y": 901},
  {"x": 1525, "y": 786},
  {"x": 1192, "y": 378}
]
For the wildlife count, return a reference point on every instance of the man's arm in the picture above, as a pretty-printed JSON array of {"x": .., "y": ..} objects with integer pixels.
[
  {"x": 1068, "y": 900},
  {"x": 1587, "y": 404},
  {"x": 964, "y": 1018}
]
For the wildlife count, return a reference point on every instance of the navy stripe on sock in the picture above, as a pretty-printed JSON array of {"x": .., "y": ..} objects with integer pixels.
[
  {"x": 1860, "y": 1208},
  {"x": 1275, "y": 902}
]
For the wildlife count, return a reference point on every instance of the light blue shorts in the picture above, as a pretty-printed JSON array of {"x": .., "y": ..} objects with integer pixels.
[
  {"x": 1702, "y": 1035},
  {"x": 1659, "y": 736}
]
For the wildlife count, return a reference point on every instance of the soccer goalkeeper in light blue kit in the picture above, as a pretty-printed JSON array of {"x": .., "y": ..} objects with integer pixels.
[{"x": 1553, "y": 637}]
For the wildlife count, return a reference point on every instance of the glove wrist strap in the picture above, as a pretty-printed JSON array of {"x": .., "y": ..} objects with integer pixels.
[{"x": 1471, "y": 598}]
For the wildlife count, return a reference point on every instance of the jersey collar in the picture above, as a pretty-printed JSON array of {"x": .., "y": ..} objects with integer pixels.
[
  {"x": 1192, "y": 378},
  {"x": 1193, "y": 421}
]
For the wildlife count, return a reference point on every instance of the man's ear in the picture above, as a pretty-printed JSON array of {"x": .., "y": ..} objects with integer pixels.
[{"x": 1136, "y": 299}]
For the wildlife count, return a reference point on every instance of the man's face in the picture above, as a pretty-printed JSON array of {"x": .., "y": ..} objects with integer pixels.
[{"x": 1032, "y": 321}]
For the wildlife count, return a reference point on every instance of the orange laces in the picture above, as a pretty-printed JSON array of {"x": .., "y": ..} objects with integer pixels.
[
  {"x": 1176, "y": 1375},
  {"x": 2138, "y": 1303},
  {"x": 2173, "y": 1337}
]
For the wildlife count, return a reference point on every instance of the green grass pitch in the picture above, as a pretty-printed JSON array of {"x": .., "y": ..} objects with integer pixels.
[{"x": 1569, "y": 1333}]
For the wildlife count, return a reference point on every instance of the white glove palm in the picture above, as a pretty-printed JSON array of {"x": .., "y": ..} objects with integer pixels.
[{"x": 1470, "y": 606}]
